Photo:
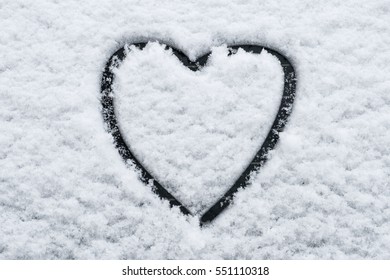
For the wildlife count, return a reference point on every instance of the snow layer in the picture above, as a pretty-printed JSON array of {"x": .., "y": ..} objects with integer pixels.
[
  {"x": 197, "y": 132},
  {"x": 65, "y": 192}
]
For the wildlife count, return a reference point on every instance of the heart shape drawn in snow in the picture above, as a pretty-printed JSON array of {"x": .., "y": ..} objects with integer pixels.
[{"x": 108, "y": 91}]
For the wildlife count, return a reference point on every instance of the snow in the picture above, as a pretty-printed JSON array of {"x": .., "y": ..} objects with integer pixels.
[
  {"x": 65, "y": 192},
  {"x": 197, "y": 132}
]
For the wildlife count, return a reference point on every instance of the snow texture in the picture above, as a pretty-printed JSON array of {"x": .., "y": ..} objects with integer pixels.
[
  {"x": 66, "y": 193},
  {"x": 197, "y": 132}
]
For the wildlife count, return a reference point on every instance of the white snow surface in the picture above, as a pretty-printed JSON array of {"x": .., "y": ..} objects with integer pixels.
[
  {"x": 66, "y": 193},
  {"x": 197, "y": 131}
]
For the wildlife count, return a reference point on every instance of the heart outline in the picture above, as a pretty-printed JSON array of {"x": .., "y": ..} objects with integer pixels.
[{"x": 284, "y": 111}]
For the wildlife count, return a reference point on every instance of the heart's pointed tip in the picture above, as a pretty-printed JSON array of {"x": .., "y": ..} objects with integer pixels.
[
  {"x": 205, "y": 220},
  {"x": 202, "y": 223}
]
